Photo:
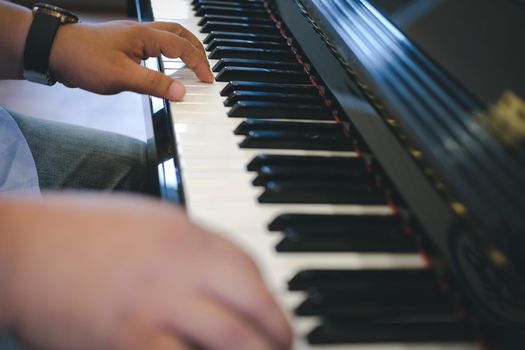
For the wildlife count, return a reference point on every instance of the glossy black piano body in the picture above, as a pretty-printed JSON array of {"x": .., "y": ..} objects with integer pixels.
[{"x": 464, "y": 186}]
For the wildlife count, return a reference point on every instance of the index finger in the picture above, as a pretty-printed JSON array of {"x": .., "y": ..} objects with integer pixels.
[
  {"x": 239, "y": 285},
  {"x": 181, "y": 31},
  {"x": 173, "y": 46}
]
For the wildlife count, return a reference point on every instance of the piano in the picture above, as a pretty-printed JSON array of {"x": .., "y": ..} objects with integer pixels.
[{"x": 368, "y": 154}]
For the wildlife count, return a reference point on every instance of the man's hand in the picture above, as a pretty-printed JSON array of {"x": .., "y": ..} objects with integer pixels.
[
  {"x": 104, "y": 58},
  {"x": 109, "y": 272}
]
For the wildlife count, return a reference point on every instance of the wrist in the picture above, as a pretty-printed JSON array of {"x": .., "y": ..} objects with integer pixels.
[
  {"x": 47, "y": 20},
  {"x": 58, "y": 56}
]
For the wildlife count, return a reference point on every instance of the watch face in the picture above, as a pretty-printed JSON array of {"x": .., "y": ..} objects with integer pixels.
[{"x": 65, "y": 16}]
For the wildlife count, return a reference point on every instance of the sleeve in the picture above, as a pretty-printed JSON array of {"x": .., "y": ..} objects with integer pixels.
[{"x": 18, "y": 174}]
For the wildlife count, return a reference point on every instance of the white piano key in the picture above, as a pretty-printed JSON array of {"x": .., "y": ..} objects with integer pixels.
[{"x": 173, "y": 65}]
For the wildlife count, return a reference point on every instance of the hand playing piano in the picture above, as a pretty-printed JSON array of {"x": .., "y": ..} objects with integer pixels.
[
  {"x": 105, "y": 58},
  {"x": 110, "y": 272}
]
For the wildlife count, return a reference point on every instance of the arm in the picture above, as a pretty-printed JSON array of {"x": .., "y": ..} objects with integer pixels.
[
  {"x": 14, "y": 26},
  {"x": 115, "y": 272},
  {"x": 105, "y": 58},
  {"x": 97, "y": 5}
]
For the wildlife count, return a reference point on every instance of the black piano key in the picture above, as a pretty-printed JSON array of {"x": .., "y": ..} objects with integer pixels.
[
  {"x": 306, "y": 192},
  {"x": 359, "y": 332},
  {"x": 445, "y": 315},
  {"x": 231, "y": 11},
  {"x": 256, "y": 63},
  {"x": 271, "y": 125},
  {"x": 270, "y": 87},
  {"x": 397, "y": 314},
  {"x": 262, "y": 75},
  {"x": 283, "y": 172},
  {"x": 374, "y": 304},
  {"x": 254, "y": 28},
  {"x": 253, "y": 53},
  {"x": 195, "y": 2},
  {"x": 268, "y": 174},
  {"x": 234, "y": 19},
  {"x": 227, "y": 3},
  {"x": 244, "y": 4},
  {"x": 241, "y": 95},
  {"x": 299, "y": 127},
  {"x": 273, "y": 110},
  {"x": 363, "y": 279},
  {"x": 246, "y": 43},
  {"x": 357, "y": 222},
  {"x": 334, "y": 240},
  {"x": 241, "y": 35},
  {"x": 426, "y": 296},
  {"x": 321, "y": 161},
  {"x": 296, "y": 140}
]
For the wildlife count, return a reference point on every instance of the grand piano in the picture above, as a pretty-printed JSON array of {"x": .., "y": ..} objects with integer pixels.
[{"x": 370, "y": 156}]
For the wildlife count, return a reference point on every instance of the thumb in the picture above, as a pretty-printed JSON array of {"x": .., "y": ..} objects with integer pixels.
[{"x": 146, "y": 81}]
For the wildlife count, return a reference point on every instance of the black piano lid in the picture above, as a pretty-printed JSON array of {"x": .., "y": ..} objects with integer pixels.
[
  {"x": 471, "y": 199},
  {"x": 478, "y": 42}
]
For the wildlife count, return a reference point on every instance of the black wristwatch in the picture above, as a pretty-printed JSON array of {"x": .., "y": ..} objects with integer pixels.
[{"x": 46, "y": 21}]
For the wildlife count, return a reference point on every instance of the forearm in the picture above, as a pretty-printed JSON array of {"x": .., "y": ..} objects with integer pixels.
[
  {"x": 92, "y": 5},
  {"x": 14, "y": 25}
]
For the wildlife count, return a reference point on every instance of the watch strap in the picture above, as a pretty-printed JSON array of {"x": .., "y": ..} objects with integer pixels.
[{"x": 38, "y": 48}]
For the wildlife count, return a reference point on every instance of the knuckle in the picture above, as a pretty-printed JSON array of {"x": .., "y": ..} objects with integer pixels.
[
  {"x": 176, "y": 27},
  {"x": 136, "y": 30},
  {"x": 173, "y": 27},
  {"x": 153, "y": 79},
  {"x": 196, "y": 59},
  {"x": 190, "y": 52},
  {"x": 185, "y": 44},
  {"x": 143, "y": 33},
  {"x": 148, "y": 33}
]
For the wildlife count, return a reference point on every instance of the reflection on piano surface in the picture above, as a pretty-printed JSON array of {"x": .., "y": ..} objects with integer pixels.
[{"x": 383, "y": 200}]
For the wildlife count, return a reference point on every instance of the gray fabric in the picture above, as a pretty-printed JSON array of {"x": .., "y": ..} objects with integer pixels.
[
  {"x": 17, "y": 168},
  {"x": 73, "y": 157}
]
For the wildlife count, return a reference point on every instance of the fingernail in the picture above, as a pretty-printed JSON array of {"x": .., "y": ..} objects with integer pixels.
[{"x": 176, "y": 91}]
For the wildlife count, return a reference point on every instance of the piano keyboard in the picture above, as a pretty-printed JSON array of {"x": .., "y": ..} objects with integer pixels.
[{"x": 264, "y": 163}]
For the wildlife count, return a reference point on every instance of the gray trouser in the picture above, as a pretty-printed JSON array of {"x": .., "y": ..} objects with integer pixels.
[{"x": 73, "y": 157}]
